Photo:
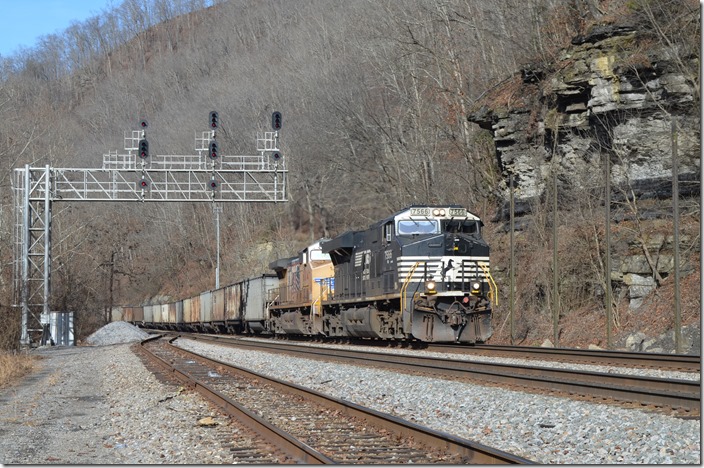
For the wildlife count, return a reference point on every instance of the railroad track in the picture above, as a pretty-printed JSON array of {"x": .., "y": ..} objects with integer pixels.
[
  {"x": 660, "y": 361},
  {"x": 671, "y": 362},
  {"x": 683, "y": 397},
  {"x": 299, "y": 425}
]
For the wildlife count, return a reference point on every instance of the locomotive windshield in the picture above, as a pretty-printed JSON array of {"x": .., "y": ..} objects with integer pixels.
[
  {"x": 318, "y": 255},
  {"x": 426, "y": 226},
  {"x": 466, "y": 227}
]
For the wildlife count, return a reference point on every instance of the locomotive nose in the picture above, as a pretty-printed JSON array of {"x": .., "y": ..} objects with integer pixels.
[
  {"x": 457, "y": 244},
  {"x": 461, "y": 244}
]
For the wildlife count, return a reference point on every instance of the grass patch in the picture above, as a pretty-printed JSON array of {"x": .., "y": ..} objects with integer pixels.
[{"x": 15, "y": 366}]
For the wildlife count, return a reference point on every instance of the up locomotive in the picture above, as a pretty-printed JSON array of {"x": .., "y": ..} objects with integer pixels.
[{"x": 419, "y": 274}]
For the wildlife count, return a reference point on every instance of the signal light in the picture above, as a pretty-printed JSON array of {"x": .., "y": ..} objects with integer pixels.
[
  {"x": 213, "y": 184},
  {"x": 143, "y": 149},
  {"x": 214, "y": 120},
  {"x": 213, "y": 152},
  {"x": 143, "y": 184},
  {"x": 276, "y": 156},
  {"x": 143, "y": 123},
  {"x": 276, "y": 121}
]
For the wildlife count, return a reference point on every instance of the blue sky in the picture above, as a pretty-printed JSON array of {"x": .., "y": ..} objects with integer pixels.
[{"x": 22, "y": 22}]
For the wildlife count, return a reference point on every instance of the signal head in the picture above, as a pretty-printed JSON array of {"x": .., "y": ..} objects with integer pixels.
[
  {"x": 214, "y": 120},
  {"x": 143, "y": 149},
  {"x": 143, "y": 184},
  {"x": 213, "y": 150},
  {"x": 143, "y": 123},
  {"x": 213, "y": 184},
  {"x": 276, "y": 121}
]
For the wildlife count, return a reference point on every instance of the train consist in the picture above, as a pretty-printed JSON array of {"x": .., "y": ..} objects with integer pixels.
[{"x": 420, "y": 274}]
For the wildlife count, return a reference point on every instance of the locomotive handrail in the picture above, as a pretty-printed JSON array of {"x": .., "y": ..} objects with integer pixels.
[
  {"x": 492, "y": 285},
  {"x": 405, "y": 287},
  {"x": 319, "y": 300}
]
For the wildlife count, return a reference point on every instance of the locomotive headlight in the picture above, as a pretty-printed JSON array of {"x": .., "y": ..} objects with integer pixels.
[
  {"x": 430, "y": 287},
  {"x": 438, "y": 212}
]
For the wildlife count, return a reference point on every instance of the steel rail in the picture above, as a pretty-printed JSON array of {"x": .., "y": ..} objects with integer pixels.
[
  {"x": 473, "y": 452},
  {"x": 284, "y": 441},
  {"x": 662, "y": 361},
  {"x": 643, "y": 390}
]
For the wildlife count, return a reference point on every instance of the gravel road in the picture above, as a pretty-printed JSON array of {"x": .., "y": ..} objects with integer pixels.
[{"x": 99, "y": 405}]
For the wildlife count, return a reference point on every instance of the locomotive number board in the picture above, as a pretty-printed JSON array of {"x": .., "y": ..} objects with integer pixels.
[{"x": 451, "y": 212}]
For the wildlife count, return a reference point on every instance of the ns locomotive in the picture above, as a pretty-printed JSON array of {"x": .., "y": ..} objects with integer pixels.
[{"x": 419, "y": 274}]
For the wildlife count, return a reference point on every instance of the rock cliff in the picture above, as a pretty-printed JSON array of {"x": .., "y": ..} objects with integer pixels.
[
  {"x": 614, "y": 93},
  {"x": 620, "y": 92}
]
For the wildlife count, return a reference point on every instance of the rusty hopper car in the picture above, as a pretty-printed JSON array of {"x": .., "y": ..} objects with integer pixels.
[{"x": 421, "y": 273}]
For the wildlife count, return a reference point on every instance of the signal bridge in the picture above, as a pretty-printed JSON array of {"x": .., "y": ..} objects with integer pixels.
[
  {"x": 131, "y": 177},
  {"x": 126, "y": 177}
]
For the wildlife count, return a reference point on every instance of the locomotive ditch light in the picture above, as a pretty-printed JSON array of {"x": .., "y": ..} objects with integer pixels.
[
  {"x": 430, "y": 287},
  {"x": 476, "y": 287}
]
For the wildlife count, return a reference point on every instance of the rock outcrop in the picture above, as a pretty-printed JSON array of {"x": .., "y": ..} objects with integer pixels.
[{"x": 614, "y": 93}]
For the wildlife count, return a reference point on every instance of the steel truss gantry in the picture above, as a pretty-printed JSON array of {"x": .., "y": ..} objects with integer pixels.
[{"x": 127, "y": 178}]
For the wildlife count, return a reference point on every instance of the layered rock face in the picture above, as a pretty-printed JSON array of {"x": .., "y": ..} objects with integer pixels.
[
  {"x": 616, "y": 94},
  {"x": 609, "y": 97}
]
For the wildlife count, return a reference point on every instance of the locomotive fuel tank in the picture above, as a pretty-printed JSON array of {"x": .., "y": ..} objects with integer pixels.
[{"x": 370, "y": 322}]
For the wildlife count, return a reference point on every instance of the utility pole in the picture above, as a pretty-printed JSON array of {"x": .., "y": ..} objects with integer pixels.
[
  {"x": 112, "y": 277},
  {"x": 555, "y": 266},
  {"x": 513, "y": 260},
  {"x": 676, "y": 238},
  {"x": 217, "y": 209},
  {"x": 607, "y": 240}
]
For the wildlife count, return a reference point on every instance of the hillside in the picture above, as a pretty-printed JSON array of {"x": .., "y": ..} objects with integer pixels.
[{"x": 375, "y": 97}]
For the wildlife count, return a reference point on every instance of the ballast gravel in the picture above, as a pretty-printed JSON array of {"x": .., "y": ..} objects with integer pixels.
[
  {"x": 545, "y": 429},
  {"x": 115, "y": 333},
  {"x": 99, "y": 405}
]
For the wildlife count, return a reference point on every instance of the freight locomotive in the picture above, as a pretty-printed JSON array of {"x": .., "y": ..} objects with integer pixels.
[{"x": 419, "y": 274}]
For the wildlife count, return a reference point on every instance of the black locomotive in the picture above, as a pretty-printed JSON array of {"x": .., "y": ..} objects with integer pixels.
[{"x": 422, "y": 273}]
